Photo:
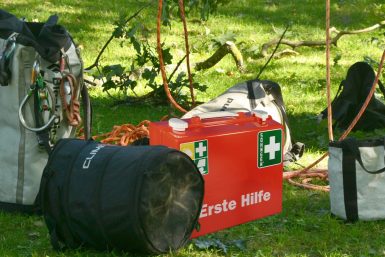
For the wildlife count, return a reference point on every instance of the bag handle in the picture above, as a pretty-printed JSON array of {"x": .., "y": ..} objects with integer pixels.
[{"x": 351, "y": 145}]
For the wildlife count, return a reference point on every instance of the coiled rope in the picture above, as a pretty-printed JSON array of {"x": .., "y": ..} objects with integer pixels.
[
  {"x": 122, "y": 135},
  {"x": 71, "y": 108}
]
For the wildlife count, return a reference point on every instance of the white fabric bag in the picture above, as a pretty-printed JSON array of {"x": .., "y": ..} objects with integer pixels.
[{"x": 357, "y": 179}]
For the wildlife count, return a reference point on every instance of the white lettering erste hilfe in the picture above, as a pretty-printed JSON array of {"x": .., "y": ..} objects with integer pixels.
[
  {"x": 254, "y": 198},
  {"x": 246, "y": 200},
  {"x": 208, "y": 210}
]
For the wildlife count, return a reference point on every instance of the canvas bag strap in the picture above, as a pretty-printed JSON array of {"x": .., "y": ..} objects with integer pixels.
[
  {"x": 351, "y": 153},
  {"x": 349, "y": 183},
  {"x": 351, "y": 145}
]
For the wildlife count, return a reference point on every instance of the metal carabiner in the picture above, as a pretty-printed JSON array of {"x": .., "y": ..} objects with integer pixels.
[{"x": 25, "y": 100}]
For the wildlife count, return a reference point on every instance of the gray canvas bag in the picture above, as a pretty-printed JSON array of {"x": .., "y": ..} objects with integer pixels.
[
  {"x": 32, "y": 119},
  {"x": 262, "y": 95},
  {"x": 357, "y": 179}
]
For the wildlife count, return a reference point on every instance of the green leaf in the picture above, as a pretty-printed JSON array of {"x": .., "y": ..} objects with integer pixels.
[
  {"x": 113, "y": 70},
  {"x": 129, "y": 84},
  {"x": 167, "y": 56},
  {"x": 118, "y": 32},
  {"x": 200, "y": 87},
  {"x": 205, "y": 10},
  {"x": 109, "y": 84},
  {"x": 166, "y": 14},
  {"x": 131, "y": 32},
  {"x": 337, "y": 58},
  {"x": 135, "y": 43},
  {"x": 222, "y": 39},
  {"x": 149, "y": 75},
  {"x": 180, "y": 77}
]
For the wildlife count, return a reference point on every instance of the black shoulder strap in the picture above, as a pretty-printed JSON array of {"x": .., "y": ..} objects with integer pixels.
[
  {"x": 351, "y": 145},
  {"x": 87, "y": 112},
  {"x": 349, "y": 185},
  {"x": 334, "y": 110},
  {"x": 251, "y": 95}
]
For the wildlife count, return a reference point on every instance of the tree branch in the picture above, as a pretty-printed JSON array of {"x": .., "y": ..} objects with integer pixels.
[
  {"x": 96, "y": 62},
  {"x": 339, "y": 34},
  {"x": 228, "y": 47}
]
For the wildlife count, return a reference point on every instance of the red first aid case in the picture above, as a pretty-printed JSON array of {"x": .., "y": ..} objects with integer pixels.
[{"x": 240, "y": 157}]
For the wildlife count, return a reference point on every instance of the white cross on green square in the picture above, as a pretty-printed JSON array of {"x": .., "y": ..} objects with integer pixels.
[{"x": 269, "y": 148}]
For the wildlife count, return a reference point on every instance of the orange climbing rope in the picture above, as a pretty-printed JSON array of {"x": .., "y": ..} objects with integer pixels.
[
  {"x": 183, "y": 16},
  {"x": 328, "y": 89},
  {"x": 124, "y": 134},
  {"x": 71, "y": 108},
  {"x": 161, "y": 61}
]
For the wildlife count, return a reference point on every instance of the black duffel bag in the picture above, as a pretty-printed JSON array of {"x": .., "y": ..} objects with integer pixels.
[{"x": 138, "y": 198}]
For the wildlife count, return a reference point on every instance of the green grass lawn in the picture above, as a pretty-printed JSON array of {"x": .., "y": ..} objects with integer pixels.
[{"x": 305, "y": 226}]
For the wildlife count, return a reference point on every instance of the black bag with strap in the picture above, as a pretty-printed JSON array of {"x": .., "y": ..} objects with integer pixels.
[{"x": 350, "y": 97}]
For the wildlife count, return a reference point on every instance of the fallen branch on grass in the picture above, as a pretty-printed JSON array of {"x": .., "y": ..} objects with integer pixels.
[
  {"x": 227, "y": 48},
  {"x": 309, "y": 43}
]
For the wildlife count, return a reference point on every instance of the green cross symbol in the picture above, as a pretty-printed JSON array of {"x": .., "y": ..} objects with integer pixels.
[{"x": 269, "y": 148}]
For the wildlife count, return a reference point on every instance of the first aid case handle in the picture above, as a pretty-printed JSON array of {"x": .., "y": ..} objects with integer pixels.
[
  {"x": 235, "y": 118},
  {"x": 220, "y": 114},
  {"x": 210, "y": 119}
]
